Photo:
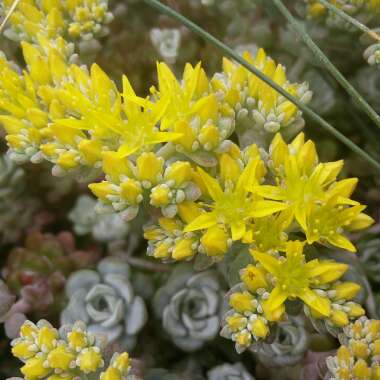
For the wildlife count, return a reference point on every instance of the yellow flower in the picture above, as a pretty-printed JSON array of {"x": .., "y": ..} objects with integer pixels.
[
  {"x": 47, "y": 338},
  {"x": 194, "y": 110},
  {"x": 23, "y": 350},
  {"x": 320, "y": 204},
  {"x": 77, "y": 339},
  {"x": 60, "y": 358},
  {"x": 268, "y": 233},
  {"x": 140, "y": 130},
  {"x": 254, "y": 278},
  {"x": 122, "y": 362},
  {"x": 328, "y": 222},
  {"x": 295, "y": 278},
  {"x": 34, "y": 368},
  {"x": 242, "y": 302},
  {"x": 90, "y": 360},
  {"x": 259, "y": 327},
  {"x": 234, "y": 206}
]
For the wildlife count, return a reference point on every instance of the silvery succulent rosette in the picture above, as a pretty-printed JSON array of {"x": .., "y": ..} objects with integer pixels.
[
  {"x": 105, "y": 300},
  {"x": 103, "y": 227},
  {"x": 190, "y": 305},
  {"x": 228, "y": 371},
  {"x": 287, "y": 346}
]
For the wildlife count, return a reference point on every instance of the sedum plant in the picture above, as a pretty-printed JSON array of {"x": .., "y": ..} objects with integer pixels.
[
  {"x": 190, "y": 306},
  {"x": 104, "y": 299},
  {"x": 217, "y": 165},
  {"x": 68, "y": 353}
]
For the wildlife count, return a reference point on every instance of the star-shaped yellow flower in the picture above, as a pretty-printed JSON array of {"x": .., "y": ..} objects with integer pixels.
[
  {"x": 234, "y": 206},
  {"x": 294, "y": 278}
]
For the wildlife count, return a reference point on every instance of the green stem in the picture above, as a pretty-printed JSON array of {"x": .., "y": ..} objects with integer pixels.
[
  {"x": 9, "y": 14},
  {"x": 232, "y": 54},
  {"x": 298, "y": 28},
  {"x": 351, "y": 20}
]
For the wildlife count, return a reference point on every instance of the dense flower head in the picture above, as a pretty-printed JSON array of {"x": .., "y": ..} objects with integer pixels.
[
  {"x": 49, "y": 353},
  {"x": 257, "y": 105},
  {"x": 70, "y": 18},
  {"x": 194, "y": 110},
  {"x": 314, "y": 197},
  {"x": 272, "y": 280},
  {"x": 257, "y": 198},
  {"x": 358, "y": 356}
]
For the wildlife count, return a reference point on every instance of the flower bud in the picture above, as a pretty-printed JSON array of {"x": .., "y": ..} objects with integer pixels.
[
  {"x": 344, "y": 355},
  {"x": 339, "y": 318},
  {"x": 68, "y": 160},
  {"x": 111, "y": 374},
  {"x": 115, "y": 165},
  {"x": 160, "y": 195},
  {"x": 229, "y": 168},
  {"x": 188, "y": 135},
  {"x": 355, "y": 310},
  {"x": 361, "y": 370},
  {"x": 34, "y": 368},
  {"x": 242, "y": 302},
  {"x": 149, "y": 167},
  {"x": 359, "y": 349},
  {"x": 346, "y": 290},
  {"x": 162, "y": 251},
  {"x": 89, "y": 360},
  {"x": 183, "y": 249},
  {"x": 47, "y": 338},
  {"x": 209, "y": 136},
  {"x": 259, "y": 328},
  {"x": 243, "y": 338},
  {"x": 236, "y": 322},
  {"x": 214, "y": 241},
  {"x": 253, "y": 278},
  {"x": 131, "y": 191},
  {"x": 60, "y": 358},
  {"x": 91, "y": 150},
  {"x": 179, "y": 172}
]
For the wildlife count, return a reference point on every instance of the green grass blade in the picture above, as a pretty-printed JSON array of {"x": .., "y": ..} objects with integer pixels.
[
  {"x": 9, "y": 14},
  {"x": 232, "y": 54},
  {"x": 351, "y": 20},
  {"x": 298, "y": 28}
]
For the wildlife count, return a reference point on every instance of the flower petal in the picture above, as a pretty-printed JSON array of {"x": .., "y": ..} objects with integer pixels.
[
  {"x": 265, "y": 208},
  {"x": 204, "y": 220},
  {"x": 276, "y": 299},
  {"x": 341, "y": 242},
  {"x": 238, "y": 230},
  {"x": 211, "y": 184},
  {"x": 271, "y": 264},
  {"x": 320, "y": 304}
]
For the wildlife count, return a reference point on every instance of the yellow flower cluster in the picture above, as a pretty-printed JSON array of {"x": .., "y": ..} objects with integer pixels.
[
  {"x": 173, "y": 151},
  {"x": 69, "y": 353},
  {"x": 71, "y": 19},
  {"x": 358, "y": 357},
  {"x": 148, "y": 148},
  {"x": 259, "y": 201},
  {"x": 259, "y": 107},
  {"x": 273, "y": 280}
]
